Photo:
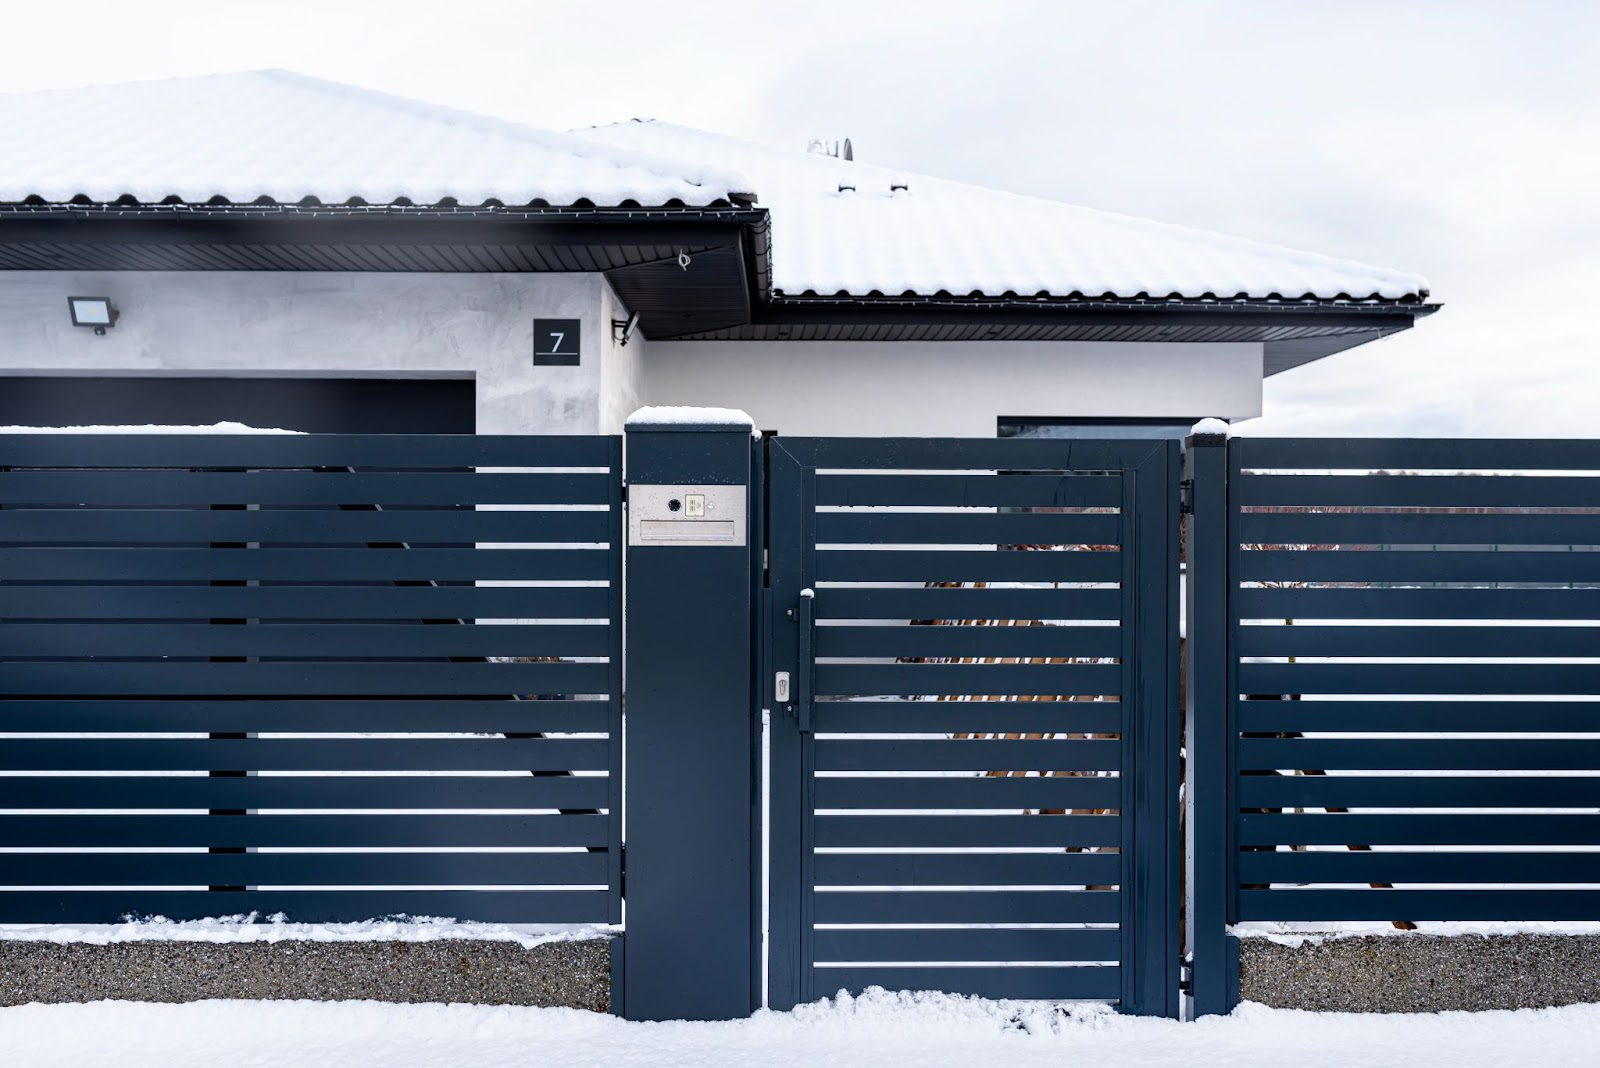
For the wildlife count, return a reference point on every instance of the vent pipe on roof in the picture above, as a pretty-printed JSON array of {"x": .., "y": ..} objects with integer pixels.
[{"x": 836, "y": 149}]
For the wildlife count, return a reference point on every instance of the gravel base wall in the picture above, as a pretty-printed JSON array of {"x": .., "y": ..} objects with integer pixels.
[
  {"x": 575, "y": 974},
  {"x": 1422, "y": 973}
]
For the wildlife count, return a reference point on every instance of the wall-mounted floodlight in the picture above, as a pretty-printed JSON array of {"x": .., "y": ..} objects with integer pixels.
[
  {"x": 93, "y": 311},
  {"x": 623, "y": 329}
]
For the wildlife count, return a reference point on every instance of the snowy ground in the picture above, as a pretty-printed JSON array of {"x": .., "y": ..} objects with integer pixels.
[{"x": 877, "y": 1030}]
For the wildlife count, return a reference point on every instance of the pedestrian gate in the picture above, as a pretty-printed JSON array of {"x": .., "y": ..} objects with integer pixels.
[{"x": 974, "y": 731}]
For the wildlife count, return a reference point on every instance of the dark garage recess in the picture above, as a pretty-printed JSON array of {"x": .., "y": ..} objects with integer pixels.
[{"x": 313, "y": 405}]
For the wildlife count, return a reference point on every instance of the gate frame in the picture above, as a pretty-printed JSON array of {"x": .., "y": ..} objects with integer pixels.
[{"x": 1150, "y": 479}]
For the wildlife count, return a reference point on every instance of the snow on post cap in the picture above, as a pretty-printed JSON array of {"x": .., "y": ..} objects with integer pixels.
[
  {"x": 685, "y": 415},
  {"x": 1210, "y": 428}
]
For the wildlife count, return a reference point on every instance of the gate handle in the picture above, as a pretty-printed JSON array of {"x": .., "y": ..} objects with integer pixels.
[{"x": 803, "y": 616}]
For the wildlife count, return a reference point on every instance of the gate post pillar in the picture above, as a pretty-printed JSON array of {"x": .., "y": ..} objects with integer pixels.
[
  {"x": 1209, "y": 868},
  {"x": 689, "y": 749}
]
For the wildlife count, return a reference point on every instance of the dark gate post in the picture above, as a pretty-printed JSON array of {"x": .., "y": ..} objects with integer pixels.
[
  {"x": 690, "y": 736},
  {"x": 1207, "y": 715}
]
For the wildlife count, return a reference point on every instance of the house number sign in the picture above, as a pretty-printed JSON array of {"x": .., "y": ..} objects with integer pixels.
[{"x": 555, "y": 342}]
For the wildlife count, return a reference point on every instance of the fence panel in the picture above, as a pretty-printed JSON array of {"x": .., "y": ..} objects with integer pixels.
[
  {"x": 1416, "y": 680},
  {"x": 326, "y": 675}
]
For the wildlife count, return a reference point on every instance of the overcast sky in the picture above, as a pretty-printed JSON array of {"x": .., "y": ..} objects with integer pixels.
[{"x": 1457, "y": 139}]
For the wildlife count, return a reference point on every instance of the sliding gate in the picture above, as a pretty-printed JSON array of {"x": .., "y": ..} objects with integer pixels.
[
  {"x": 974, "y": 730},
  {"x": 335, "y": 676}
]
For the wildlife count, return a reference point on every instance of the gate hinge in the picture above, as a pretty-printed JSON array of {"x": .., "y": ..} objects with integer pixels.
[
  {"x": 1186, "y": 497},
  {"x": 624, "y": 493}
]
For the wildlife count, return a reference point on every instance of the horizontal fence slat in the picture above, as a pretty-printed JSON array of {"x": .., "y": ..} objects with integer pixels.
[
  {"x": 307, "y": 602},
  {"x": 964, "y": 945},
  {"x": 967, "y": 755},
  {"x": 1417, "y": 454},
  {"x": 1033, "y": 982},
  {"x": 967, "y": 717},
  {"x": 1378, "y": 717},
  {"x": 302, "y": 565},
  {"x": 1003, "y": 528},
  {"x": 1427, "y": 491},
  {"x": 1421, "y": 678},
  {"x": 1366, "y": 904},
  {"x": 1417, "y": 566},
  {"x": 970, "y": 869},
  {"x": 1307, "y": 640},
  {"x": 1397, "y": 603},
  {"x": 454, "y": 831},
  {"x": 304, "y": 792},
  {"x": 968, "y": 641},
  {"x": 1077, "y": 456},
  {"x": 951, "y": 832},
  {"x": 994, "y": 679},
  {"x": 1388, "y": 867},
  {"x": 373, "y": 679},
  {"x": 327, "y": 641},
  {"x": 304, "y": 754},
  {"x": 967, "y": 565},
  {"x": 303, "y": 869},
  {"x": 1029, "y": 604},
  {"x": 264, "y": 714},
  {"x": 307, "y": 450},
  {"x": 322, "y": 906},
  {"x": 1422, "y": 754},
  {"x": 1006, "y": 490},
  {"x": 1402, "y": 528},
  {"x": 103, "y": 526},
  {"x": 980, "y": 792},
  {"x": 68, "y": 487},
  {"x": 1413, "y": 829},
  {"x": 967, "y": 906},
  {"x": 1411, "y": 791}
]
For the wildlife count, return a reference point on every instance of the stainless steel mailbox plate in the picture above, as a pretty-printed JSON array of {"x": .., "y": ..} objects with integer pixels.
[{"x": 686, "y": 515}]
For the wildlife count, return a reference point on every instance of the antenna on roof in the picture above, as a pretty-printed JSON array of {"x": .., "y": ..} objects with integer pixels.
[{"x": 837, "y": 149}]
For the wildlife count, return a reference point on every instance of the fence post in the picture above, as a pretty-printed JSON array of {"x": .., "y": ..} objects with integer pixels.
[
  {"x": 1207, "y": 713},
  {"x": 689, "y": 737}
]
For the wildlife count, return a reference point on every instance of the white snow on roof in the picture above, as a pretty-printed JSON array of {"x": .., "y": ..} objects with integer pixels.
[
  {"x": 287, "y": 137},
  {"x": 841, "y": 227}
]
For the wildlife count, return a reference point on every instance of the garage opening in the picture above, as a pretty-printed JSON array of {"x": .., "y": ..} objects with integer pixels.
[{"x": 311, "y": 405}]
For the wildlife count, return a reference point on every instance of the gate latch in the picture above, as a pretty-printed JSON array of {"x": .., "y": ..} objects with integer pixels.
[{"x": 1186, "y": 497}]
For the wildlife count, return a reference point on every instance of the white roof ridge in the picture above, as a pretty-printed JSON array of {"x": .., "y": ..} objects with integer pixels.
[
  {"x": 666, "y": 166},
  {"x": 1159, "y": 227}
]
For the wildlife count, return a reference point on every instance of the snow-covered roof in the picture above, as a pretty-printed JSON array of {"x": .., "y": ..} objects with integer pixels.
[
  {"x": 852, "y": 228},
  {"x": 288, "y": 137}
]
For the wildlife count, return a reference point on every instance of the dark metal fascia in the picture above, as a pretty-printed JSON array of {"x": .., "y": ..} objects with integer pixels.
[{"x": 699, "y": 231}]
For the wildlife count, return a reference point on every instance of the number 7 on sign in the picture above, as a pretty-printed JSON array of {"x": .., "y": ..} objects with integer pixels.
[{"x": 551, "y": 346}]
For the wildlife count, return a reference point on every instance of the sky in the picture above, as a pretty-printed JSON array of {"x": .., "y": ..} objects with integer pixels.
[{"x": 1453, "y": 138}]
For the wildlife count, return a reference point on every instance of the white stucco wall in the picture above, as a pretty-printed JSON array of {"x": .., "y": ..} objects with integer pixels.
[
  {"x": 383, "y": 325},
  {"x": 621, "y": 367},
  {"x": 952, "y": 388},
  {"x": 481, "y": 326}
]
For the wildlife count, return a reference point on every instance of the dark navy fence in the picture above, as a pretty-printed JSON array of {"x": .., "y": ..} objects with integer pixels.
[
  {"x": 349, "y": 676},
  {"x": 1406, "y": 723},
  {"x": 337, "y": 677}
]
